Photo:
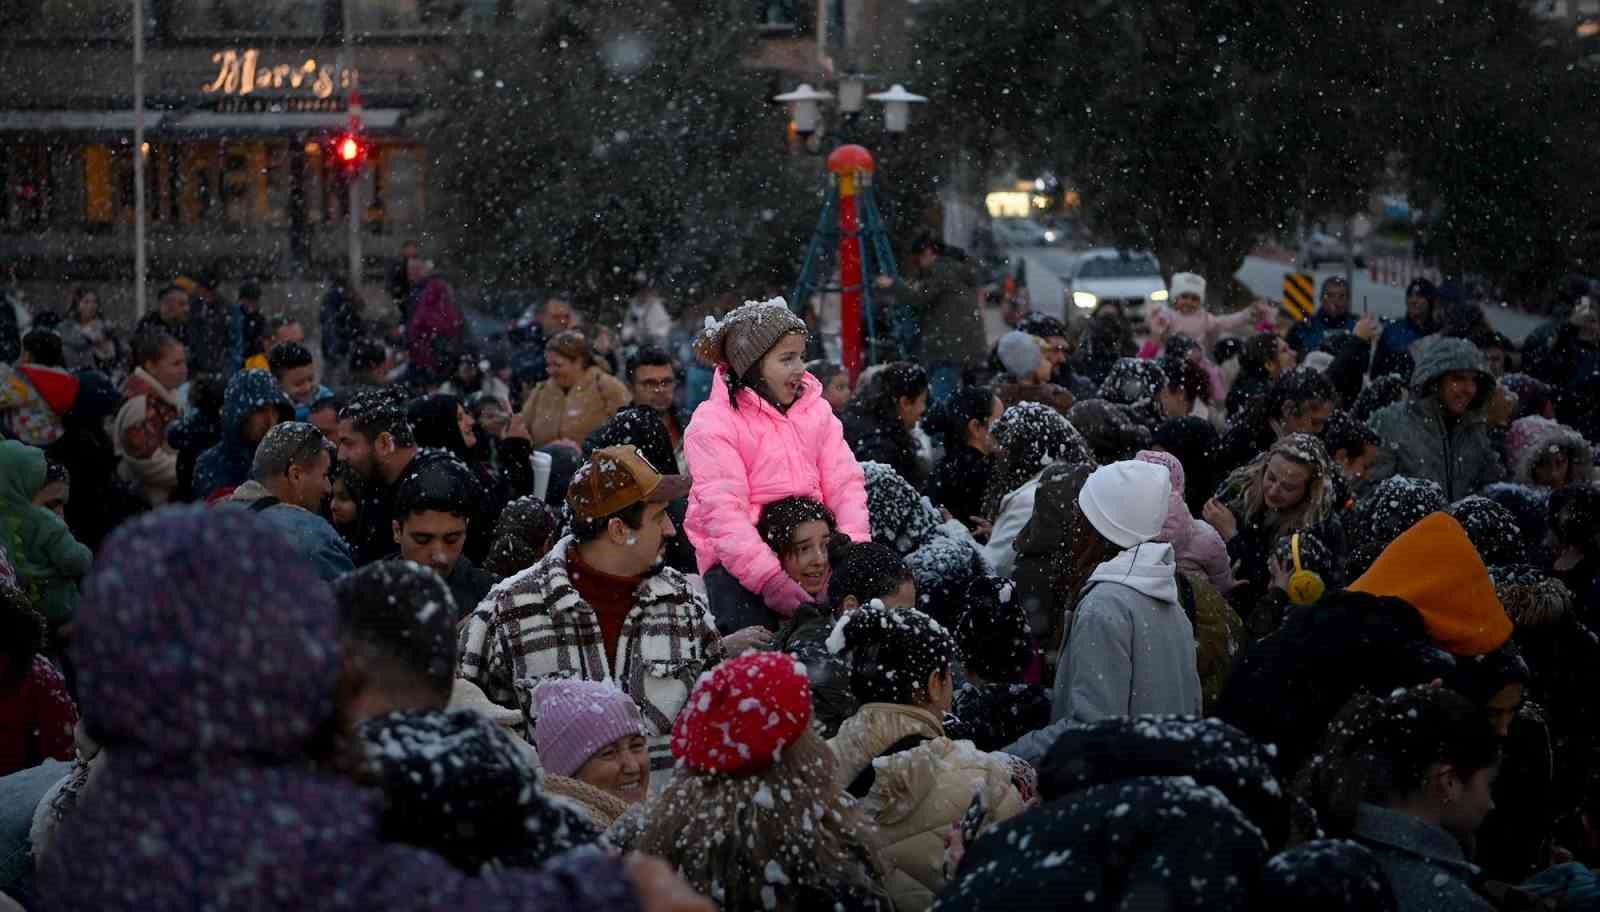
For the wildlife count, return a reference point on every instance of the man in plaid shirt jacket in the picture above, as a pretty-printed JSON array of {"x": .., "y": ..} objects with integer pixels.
[{"x": 600, "y": 606}]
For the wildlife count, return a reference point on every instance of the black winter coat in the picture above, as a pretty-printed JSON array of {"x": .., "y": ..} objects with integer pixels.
[
  {"x": 958, "y": 482},
  {"x": 805, "y": 637},
  {"x": 1287, "y": 688},
  {"x": 875, "y": 439},
  {"x": 994, "y": 715},
  {"x": 1132, "y": 820}
]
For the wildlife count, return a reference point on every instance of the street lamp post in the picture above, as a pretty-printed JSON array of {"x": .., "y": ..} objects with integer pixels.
[
  {"x": 140, "y": 264},
  {"x": 858, "y": 238},
  {"x": 897, "y": 104}
]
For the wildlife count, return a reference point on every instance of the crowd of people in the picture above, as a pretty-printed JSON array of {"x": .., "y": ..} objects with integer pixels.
[{"x": 1254, "y": 611}]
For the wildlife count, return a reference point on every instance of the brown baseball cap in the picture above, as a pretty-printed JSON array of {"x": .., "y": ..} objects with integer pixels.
[{"x": 618, "y": 477}]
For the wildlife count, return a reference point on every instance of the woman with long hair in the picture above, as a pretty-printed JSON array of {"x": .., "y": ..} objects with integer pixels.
[
  {"x": 964, "y": 424},
  {"x": 765, "y": 434},
  {"x": 1263, "y": 359},
  {"x": 1289, "y": 488},
  {"x": 752, "y": 816},
  {"x": 87, "y": 339},
  {"x": 1033, "y": 438},
  {"x": 879, "y": 421}
]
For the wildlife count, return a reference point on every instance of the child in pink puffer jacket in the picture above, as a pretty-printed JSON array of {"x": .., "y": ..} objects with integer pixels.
[
  {"x": 765, "y": 434},
  {"x": 1197, "y": 546}
]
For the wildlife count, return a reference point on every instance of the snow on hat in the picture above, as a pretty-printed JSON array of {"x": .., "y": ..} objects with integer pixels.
[
  {"x": 577, "y": 719},
  {"x": 1132, "y": 381},
  {"x": 1318, "y": 361},
  {"x": 892, "y": 651},
  {"x": 1493, "y": 530},
  {"x": 995, "y": 639},
  {"x": 743, "y": 336},
  {"x": 742, "y": 714},
  {"x": 1019, "y": 353},
  {"x": 1187, "y": 283},
  {"x": 1127, "y": 501}
]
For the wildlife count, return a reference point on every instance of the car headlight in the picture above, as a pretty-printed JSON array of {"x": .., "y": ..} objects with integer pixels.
[
  {"x": 1084, "y": 299},
  {"x": 1050, "y": 236},
  {"x": 1158, "y": 295}
]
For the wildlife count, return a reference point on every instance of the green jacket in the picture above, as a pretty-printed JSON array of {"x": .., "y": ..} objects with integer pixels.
[
  {"x": 1417, "y": 440},
  {"x": 49, "y": 561},
  {"x": 943, "y": 302}
]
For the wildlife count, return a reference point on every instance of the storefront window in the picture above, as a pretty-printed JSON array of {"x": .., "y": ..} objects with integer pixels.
[
  {"x": 401, "y": 186},
  {"x": 211, "y": 17},
  {"x": 66, "y": 17},
  {"x": 434, "y": 15},
  {"x": 25, "y": 177}
]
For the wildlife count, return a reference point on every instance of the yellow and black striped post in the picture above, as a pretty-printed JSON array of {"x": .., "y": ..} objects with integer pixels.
[{"x": 1299, "y": 294}]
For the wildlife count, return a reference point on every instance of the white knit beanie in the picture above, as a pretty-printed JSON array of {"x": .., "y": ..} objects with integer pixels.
[
  {"x": 1187, "y": 283},
  {"x": 1127, "y": 501}
]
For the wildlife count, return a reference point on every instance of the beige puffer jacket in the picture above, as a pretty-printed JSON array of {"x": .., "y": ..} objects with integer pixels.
[{"x": 917, "y": 793}]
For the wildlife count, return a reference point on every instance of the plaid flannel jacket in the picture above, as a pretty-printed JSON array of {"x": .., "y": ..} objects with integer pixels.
[{"x": 534, "y": 626}]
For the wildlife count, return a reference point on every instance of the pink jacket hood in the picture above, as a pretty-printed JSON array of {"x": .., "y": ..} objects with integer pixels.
[
  {"x": 1197, "y": 546},
  {"x": 743, "y": 459}
]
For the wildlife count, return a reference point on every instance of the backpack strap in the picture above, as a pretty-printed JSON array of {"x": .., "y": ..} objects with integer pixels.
[
  {"x": 265, "y": 503},
  {"x": 863, "y": 783}
]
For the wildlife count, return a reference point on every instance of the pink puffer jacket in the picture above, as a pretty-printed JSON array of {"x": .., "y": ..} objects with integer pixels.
[{"x": 743, "y": 459}]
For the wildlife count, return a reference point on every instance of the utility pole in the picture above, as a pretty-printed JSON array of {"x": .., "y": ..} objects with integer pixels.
[
  {"x": 140, "y": 266},
  {"x": 353, "y": 98}
]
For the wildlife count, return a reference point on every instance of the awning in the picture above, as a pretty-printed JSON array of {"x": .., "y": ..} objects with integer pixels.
[
  {"x": 278, "y": 121},
  {"x": 169, "y": 122},
  {"x": 75, "y": 121}
]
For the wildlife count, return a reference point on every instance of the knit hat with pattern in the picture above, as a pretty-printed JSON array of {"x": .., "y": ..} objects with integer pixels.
[
  {"x": 742, "y": 714},
  {"x": 743, "y": 336},
  {"x": 577, "y": 719}
]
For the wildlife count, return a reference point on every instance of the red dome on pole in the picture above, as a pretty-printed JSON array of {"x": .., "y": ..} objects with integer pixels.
[{"x": 851, "y": 158}]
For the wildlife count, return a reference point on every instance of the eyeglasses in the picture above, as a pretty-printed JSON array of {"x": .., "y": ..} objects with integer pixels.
[{"x": 658, "y": 386}]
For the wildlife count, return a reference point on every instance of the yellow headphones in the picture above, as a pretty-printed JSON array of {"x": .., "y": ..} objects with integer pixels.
[{"x": 1305, "y": 587}]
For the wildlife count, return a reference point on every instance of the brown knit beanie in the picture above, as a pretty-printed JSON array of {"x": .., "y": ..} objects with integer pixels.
[
  {"x": 570, "y": 344},
  {"x": 741, "y": 338}
]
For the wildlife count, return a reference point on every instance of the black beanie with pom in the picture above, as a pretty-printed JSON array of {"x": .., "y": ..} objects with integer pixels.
[
  {"x": 893, "y": 652},
  {"x": 996, "y": 642}
]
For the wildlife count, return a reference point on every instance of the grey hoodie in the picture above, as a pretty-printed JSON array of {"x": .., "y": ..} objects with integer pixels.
[
  {"x": 1130, "y": 649},
  {"x": 1420, "y": 443}
]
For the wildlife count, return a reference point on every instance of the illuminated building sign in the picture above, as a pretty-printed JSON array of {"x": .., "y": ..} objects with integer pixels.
[{"x": 241, "y": 72}]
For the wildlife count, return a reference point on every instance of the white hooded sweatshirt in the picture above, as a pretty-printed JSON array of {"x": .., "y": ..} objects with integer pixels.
[{"x": 1130, "y": 649}]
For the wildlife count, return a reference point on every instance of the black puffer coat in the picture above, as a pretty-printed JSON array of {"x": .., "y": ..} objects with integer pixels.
[
  {"x": 994, "y": 715},
  {"x": 1286, "y": 689},
  {"x": 805, "y": 636},
  {"x": 483, "y": 807},
  {"x": 1144, "y": 813},
  {"x": 876, "y": 439}
]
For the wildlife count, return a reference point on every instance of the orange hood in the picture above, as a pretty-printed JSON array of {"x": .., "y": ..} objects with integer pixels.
[{"x": 1435, "y": 568}]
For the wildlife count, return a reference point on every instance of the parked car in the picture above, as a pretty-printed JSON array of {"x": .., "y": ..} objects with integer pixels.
[
  {"x": 1128, "y": 279},
  {"x": 1016, "y": 232},
  {"x": 1321, "y": 247}
]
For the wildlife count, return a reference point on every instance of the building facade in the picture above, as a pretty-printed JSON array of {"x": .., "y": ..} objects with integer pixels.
[{"x": 243, "y": 100}]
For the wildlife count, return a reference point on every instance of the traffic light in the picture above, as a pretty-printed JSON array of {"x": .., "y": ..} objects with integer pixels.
[{"x": 349, "y": 154}]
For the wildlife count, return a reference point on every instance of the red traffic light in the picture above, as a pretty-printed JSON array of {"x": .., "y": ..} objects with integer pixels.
[{"x": 348, "y": 151}]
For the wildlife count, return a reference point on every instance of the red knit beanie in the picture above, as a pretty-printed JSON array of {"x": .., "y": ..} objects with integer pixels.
[{"x": 742, "y": 714}]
